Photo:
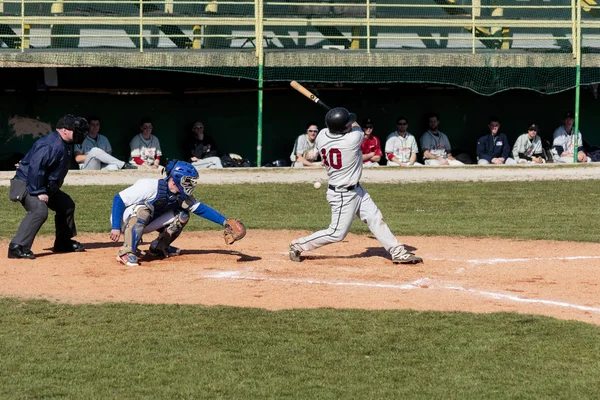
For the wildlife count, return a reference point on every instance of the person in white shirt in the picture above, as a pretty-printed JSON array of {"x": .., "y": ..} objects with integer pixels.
[
  {"x": 95, "y": 153},
  {"x": 401, "y": 146},
  {"x": 145, "y": 147},
  {"x": 563, "y": 143},
  {"x": 305, "y": 152},
  {"x": 436, "y": 145},
  {"x": 528, "y": 147}
]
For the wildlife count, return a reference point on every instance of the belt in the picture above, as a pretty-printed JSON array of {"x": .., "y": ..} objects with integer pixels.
[{"x": 343, "y": 188}]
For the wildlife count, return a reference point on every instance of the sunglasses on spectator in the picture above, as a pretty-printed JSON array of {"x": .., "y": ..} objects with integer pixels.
[
  {"x": 369, "y": 127},
  {"x": 198, "y": 127},
  {"x": 313, "y": 130},
  {"x": 402, "y": 123}
]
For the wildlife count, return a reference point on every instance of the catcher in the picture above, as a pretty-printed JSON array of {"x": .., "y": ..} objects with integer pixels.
[{"x": 162, "y": 205}]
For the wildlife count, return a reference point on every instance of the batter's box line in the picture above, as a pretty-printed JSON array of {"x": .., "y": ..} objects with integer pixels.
[
  {"x": 513, "y": 260},
  {"x": 474, "y": 261},
  {"x": 421, "y": 283}
]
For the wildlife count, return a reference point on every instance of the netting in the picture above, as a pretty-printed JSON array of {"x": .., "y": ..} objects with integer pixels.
[{"x": 483, "y": 45}]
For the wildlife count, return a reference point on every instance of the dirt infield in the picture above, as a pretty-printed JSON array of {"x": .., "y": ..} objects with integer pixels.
[{"x": 556, "y": 279}]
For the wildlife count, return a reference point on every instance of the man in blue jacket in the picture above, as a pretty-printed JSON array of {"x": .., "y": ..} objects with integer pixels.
[
  {"x": 37, "y": 184},
  {"x": 494, "y": 148}
]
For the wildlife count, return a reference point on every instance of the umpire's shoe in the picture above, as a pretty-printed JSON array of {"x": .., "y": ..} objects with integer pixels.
[
  {"x": 401, "y": 256},
  {"x": 71, "y": 246},
  {"x": 18, "y": 251}
]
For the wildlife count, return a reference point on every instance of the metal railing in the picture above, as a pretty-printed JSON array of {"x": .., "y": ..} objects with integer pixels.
[{"x": 356, "y": 25}]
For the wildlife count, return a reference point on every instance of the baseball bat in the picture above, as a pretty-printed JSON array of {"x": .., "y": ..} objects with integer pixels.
[{"x": 308, "y": 94}]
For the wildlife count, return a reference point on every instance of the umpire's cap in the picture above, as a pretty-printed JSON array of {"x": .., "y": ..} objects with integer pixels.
[
  {"x": 338, "y": 119},
  {"x": 66, "y": 122}
]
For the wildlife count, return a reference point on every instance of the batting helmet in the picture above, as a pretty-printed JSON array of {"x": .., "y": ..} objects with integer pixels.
[
  {"x": 184, "y": 175},
  {"x": 338, "y": 119}
]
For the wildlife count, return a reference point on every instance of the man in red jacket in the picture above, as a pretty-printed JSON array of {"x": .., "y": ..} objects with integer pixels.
[{"x": 371, "y": 146}]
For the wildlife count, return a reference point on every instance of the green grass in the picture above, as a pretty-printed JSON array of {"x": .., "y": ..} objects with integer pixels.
[
  {"x": 560, "y": 210},
  {"x": 130, "y": 351},
  {"x": 172, "y": 351}
]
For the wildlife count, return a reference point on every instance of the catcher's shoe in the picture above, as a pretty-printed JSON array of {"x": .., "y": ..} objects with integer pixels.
[
  {"x": 171, "y": 251},
  {"x": 404, "y": 257},
  {"x": 295, "y": 253},
  {"x": 129, "y": 259}
]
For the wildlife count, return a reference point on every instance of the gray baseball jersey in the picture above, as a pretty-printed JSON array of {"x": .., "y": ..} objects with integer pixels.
[
  {"x": 525, "y": 146},
  {"x": 438, "y": 145},
  {"x": 304, "y": 147},
  {"x": 89, "y": 143},
  {"x": 341, "y": 155}
]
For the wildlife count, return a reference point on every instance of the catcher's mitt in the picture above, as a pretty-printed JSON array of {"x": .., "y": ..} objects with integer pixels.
[{"x": 234, "y": 231}]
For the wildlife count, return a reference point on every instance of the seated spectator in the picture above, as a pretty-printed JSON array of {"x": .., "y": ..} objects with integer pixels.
[
  {"x": 436, "y": 145},
  {"x": 400, "y": 146},
  {"x": 145, "y": 147},
  {"x": 95, "y": 153},
  {"x": 493, "y": 148},
  {"x": 371, "y": 146},
  {"x": 200, "y": 149},
  {"x": 528, "y": 147},
  {"x": 563, "y": 142},
  {"x": 305, "y": 152}
]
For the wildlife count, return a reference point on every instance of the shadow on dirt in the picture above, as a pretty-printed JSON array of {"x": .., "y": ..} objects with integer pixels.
[{"x": 369, "y": 252}]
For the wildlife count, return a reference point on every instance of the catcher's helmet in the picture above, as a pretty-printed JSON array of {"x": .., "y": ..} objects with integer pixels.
[
  {"x": 338, "y": 119},
  {"x": 184, "y": 175}
]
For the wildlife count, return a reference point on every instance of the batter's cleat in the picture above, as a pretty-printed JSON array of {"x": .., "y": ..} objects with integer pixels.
[
  {"x": 295, "y": 253},
  {"x": 71, "y": 246},
  {"x": 18, "y": 251},
  {"x": 129, "y": 260},
  {"x": 172, "y": 251},
  {"x": 404, "y": 257}
]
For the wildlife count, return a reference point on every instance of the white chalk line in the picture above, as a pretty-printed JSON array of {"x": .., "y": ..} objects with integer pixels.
[
  {"x": 421, "y": 283},
  {"x": 523, "y": 259},
  {"x": 485, "y": 260}
]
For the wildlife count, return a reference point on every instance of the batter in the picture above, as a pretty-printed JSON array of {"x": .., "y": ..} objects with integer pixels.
[{"x": 339, "y": 146}]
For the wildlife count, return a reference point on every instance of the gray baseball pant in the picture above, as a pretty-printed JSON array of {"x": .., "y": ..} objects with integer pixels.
[
  {"x": 98, "y": 159},
  {"x": 37, "y": 214}
]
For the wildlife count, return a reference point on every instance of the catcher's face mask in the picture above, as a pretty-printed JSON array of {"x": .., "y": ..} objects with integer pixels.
[
  {"x": 80, "y": 130},
  {"x": 186, "y": 185}
]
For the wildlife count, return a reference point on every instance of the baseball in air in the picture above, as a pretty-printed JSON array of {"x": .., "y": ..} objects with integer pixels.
[{"x": 317, "y": 185}]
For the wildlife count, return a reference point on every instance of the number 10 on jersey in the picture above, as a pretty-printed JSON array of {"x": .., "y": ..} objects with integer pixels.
[{"x": 332, "y": 159}]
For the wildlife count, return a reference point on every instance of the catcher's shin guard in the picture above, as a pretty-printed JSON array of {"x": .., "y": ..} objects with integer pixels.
[
  {"x": 168, "y": 234},
  {"x": 134, "y": 230}
]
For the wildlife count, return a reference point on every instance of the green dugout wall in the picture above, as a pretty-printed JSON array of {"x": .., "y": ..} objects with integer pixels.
[{"x": 228, "y": 109}]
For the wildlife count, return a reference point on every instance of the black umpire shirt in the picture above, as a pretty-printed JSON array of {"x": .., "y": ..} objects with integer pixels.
[{"x": 45, "y": 166}]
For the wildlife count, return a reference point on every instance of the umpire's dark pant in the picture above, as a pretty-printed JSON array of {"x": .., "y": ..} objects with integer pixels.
[{"x": 37, "y": 214}]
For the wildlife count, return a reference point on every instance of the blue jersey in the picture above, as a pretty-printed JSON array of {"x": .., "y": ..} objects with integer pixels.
[
  {"x": 45, "y": 166},
  {"x": 156, "y": 196}
]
